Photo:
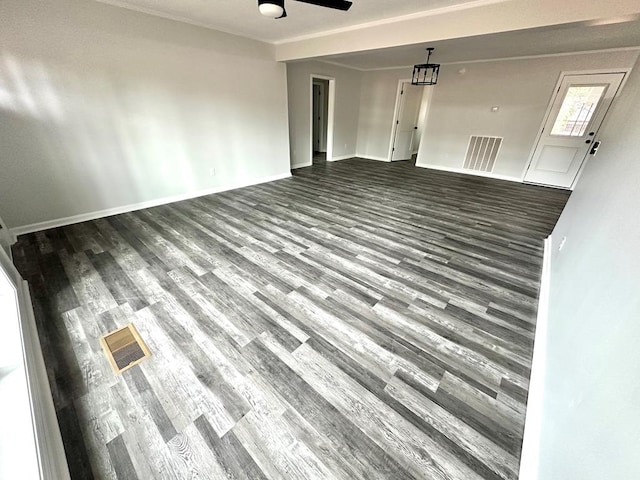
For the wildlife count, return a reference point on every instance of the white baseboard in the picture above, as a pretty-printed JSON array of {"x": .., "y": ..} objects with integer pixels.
[
  {"x": 295, "y": 166},
  {"x": 372, "y": 157},
  {"x": 83, "y": 217},
  {"x": 470, "y": 172},
  {"x": 529, "y": 459},
  {"x": 343, "y": 157}
]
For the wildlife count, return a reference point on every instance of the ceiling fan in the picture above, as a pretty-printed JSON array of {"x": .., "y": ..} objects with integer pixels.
[{"x": 275, "y": 8}]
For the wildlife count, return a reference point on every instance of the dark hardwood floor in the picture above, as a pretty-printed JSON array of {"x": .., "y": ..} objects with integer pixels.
[
  {"x": 319, "y": 158},
  {"x": 361, "y": 320}
]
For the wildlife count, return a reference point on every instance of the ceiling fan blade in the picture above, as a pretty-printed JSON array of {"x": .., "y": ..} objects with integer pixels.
[{"x": 337, "y": 4}]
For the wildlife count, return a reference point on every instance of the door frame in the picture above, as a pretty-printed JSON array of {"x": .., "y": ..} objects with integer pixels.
[
  {"x": 554, "y": 96},
  {"x": 47, "y": 446},
  {"x": 322, "y": 133},
  {"x": 331, "y": 98},
  {"x": 313, "y": 118}
]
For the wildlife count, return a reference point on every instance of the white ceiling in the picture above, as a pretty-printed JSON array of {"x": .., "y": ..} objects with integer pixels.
[
  {"x": 241, "y": 17},
  {"x": 540, "y": 41}
]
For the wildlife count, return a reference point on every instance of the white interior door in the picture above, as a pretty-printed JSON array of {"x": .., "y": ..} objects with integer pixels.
[
  {"x": 407, "y": 121},
  {"x": 577, "y": 111}
]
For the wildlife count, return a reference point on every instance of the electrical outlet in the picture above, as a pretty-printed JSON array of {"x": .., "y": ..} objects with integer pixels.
[
  {"x": 564, "y": 240},
  {"x": 212, "y": 172}
]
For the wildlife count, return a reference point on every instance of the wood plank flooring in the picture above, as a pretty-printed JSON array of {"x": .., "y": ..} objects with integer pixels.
[{"x": 361, "y": 320}]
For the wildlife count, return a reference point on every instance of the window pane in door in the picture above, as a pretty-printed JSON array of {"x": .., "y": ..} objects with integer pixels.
[{"x": 578, "y": 106}]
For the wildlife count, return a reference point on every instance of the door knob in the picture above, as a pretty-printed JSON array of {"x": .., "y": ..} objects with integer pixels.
[{"x": 595, "y": 148}]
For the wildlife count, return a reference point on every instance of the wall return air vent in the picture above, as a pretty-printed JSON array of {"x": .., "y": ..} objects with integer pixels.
[{"x": 482, "y": 153}]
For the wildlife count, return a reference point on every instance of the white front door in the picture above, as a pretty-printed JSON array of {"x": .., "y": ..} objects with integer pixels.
[
  {"x": 570, "y": 130},
  {"x": 407, "y": 121}
]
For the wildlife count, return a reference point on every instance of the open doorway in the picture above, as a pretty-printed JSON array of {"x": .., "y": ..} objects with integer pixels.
[
  {"x": 409, "y": 118},
  {"x": 320, "y": 114},
  {"x": 322, "y": 105}
]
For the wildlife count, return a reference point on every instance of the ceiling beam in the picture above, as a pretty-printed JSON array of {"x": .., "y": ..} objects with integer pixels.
[{"x": 481, "y": 17}]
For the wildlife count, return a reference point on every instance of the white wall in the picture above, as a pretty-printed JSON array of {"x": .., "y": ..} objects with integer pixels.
[
  {"x": 347, "y": 104},
  {"x": 377, "y": 108},
  {"x": 461, "y": 106},
  {"x": 591, "y": 420},
  {"x": 104, "y": 107}
]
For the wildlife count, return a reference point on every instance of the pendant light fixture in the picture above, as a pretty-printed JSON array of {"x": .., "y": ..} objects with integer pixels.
[{"x": 426, "y": 73}]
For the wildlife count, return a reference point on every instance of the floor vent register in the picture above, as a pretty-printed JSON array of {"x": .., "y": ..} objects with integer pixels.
[{"x": 124, "y": 348}]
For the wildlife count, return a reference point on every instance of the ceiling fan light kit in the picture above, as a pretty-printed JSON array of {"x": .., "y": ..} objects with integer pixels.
[
  {"x": 275, "y": 8},
  {"x": 271, "y": 8},
  {"x": 426, "y": 73}
]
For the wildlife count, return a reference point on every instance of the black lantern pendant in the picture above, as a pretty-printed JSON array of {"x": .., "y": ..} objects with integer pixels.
[{"x": 426, "y": 73}]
